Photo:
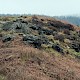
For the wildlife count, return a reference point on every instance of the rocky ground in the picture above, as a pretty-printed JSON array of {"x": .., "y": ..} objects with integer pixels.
[{"x": 39, "y": 48}]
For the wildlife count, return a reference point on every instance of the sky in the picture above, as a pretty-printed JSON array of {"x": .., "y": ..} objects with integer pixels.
[{"x": 41, "y": 7}]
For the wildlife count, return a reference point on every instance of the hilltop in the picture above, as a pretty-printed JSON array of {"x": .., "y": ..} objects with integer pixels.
[
  {"x": 75, "y": 19},
  {"x": 38, "y": 48}
]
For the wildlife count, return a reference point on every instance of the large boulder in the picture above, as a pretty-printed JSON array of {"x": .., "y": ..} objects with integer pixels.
[
  {"x": 75, "y": 46},
  {"x": 35, "y": 40},
  {"x": 29, "y": 38},
  {"x": 37, "y": 43},
  {"x": 21, "y": 26},
  {"x": 7, "y": 38},
  {"x": 34, "y": 27},
  {"x": 7, "y": 26},
  {"x": 18, "y": 26}
]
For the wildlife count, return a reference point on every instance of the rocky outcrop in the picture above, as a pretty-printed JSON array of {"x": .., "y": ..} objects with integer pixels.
[
  {"x": 37, "y": 32},
  {"x": 36, "y": 40}
]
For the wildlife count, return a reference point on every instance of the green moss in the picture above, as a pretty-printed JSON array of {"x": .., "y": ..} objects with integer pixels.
[
  {"x": 74, "y": 53},
  {"x": 52, "y": 51},
  {"x": 51, "y": 38}
]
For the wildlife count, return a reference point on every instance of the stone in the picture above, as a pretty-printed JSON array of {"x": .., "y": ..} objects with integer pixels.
[
  {"x": 35, "y": 40},
  {"x": 7, "y": 38},
  {"x": 76, "y": 46},
  {"x": 34, "y": 27},
  {"x": 57, "y": 48},
  {"x": 47, "y": 32},
  {"x": 29, "y": 38}
]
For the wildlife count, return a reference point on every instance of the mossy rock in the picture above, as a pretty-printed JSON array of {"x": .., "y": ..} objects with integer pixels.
[{"x": 7, "y": 38}]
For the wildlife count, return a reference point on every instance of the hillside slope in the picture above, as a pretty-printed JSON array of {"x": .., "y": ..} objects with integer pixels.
[
  {"x": 39, "y": 48},
  {"x": 21, "y": 62}
]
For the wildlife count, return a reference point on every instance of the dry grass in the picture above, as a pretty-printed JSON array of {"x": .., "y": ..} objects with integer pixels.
[{"x": 21, "y": 62}]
